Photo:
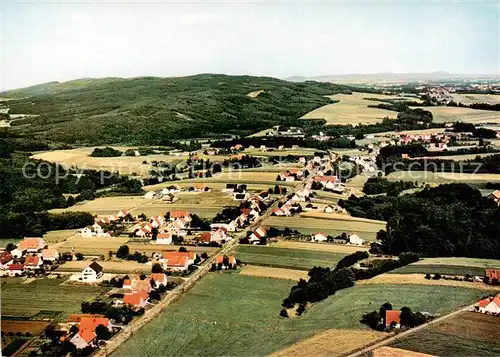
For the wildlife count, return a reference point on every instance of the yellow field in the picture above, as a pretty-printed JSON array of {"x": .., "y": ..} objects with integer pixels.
[
  {"x": 321, "y": 247},
  {"x": 275, "y": 273},
  {"x": 441, "y": 177},
  {"x": 333, "y": 342},
  {"x": 288, "y": 151},
  {"x": 351, "y": 109},
  {"x": 337, "y": 217},
  {"x": 419, "y": 279},
  {"x": 118, "y": 267},
  {"x": 396, "y": 352},
  {"x": 214, "y": 186},
  {"x": 453, "y": 114},
  {"x": 244, "y": 177},
  {"x": 255, "y": 94},
  {"x": 364, "y": 228},
  {"x": 454, "y": 157},
  {"x": 476, "y": 98},
  {"x": 461, "y": 261},
  {"x": 58, "y": 236},
  {"x": 107, "y": 205},
  {"x": 102, "y": 245}
]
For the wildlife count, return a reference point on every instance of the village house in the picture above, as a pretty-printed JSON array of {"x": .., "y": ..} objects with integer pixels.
[
  {"x": 177, "y": 261},
  {"x": 16, "y": 253},
  {"x": 92, "y": 273},
  {"x": 257, "y": 235},
  {"x": 493, "y": 275},
  {"x": 160, "y": 279},
  {"x": 157, "y": 221},
  {"x": 489, "y": 305},
  {"x": 164, "y": 238},
  {"x": 5, "y": 260},
  {"x": 86, "y": 335},
  {"x": 231, "y": 261},
  {"x": 32, "y": 262},
  {"x": 354, "y": 239},
  {"x": 392, "y": 318},
  {"x": 229, "y": 227},
  {"x": 50, "y": 254},
  {"x": 31, "y": 245},
  {"x": 170, "y": 189},
  {"x": 136, "y": 284},
  {"x": 319, "y": 237},
  {"x": 180, "y": 214},
  {"x": 150, "y": 195},
  {"x": 16, "y": 269},
  {"x": 122, "y": 214},
  {"x": 495, "y": 196}
]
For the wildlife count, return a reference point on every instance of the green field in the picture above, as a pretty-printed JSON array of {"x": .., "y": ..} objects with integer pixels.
[
  {"x": 286, "y": 258},
  {"x": 468, "y": 334},
  {"x": 235, "y": 315},
  {"x": 25, "y": 300},
  {"x": 449, "y": 266},
  {"x": 367, "y": 230}
]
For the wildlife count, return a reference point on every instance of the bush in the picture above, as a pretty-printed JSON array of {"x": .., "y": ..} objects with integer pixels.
[
  {"x": 437, "y": 276},
  {"x": 79, "y": 256},
  {"x": 283, "y": 313},
  {"x": 428, "y": 276}
]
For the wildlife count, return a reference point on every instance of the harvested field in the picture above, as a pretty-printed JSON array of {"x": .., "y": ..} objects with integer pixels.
[
  {"x": 366, "y": 229},
  {"x": 351, "y": 109},
  {"x": 468, "y": 262},
  {"x": 102, "y": 245},
  {"x": 58, "y": 236},
  {"x": 333, "y": 342},
  {"x": 288, "y": 151},
  {"x": 476, "y": 98},
  {"x": 441, "y": 269},
  {"x": 106, "y": 205},
  {"x": 322, "y": 247},
  {"x": 441, "y": 177},
  {"x": 118, "y": 267},
  {"x": 396, "y": 352},
  {"x": 44, "y": 294},
  {"x": 286, "y": 258},
  {"x": 33, "y": 327},
  {"x": 255, "y": 94},
  {"x": 275, "y": 273},
  {"x": 215, "y": 186},
  {"x": 467, "y": 334},
  {"x": 453, "y": 114},
  {"x": 419, "y": 279}
]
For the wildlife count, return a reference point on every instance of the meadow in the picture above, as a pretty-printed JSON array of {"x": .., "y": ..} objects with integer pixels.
[
  {"x": 118, "y": 267},
  {"x": 214, "y": 186},
  {"x": 322, "y": 247},
  {"x": 467, "y": 334},
  {"x": 275, "y": 273},
  {"x": 52, "y": 237},
  {"x": 106, "y": 205},
  {"x": 227, "y": 314},
  {"x": 23, "y": 298},
  {"x": 352, "y": 109},
  {"x": 449, "y": 266},
  {"x": 366, "y": 229},
  {"x": 476, "y": 98},
  {"x": 442, "y": 177},
  {"x": 286, "y": 258}
]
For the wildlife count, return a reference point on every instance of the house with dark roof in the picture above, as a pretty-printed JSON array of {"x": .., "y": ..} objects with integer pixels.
[{"x": 92, "y": 273}]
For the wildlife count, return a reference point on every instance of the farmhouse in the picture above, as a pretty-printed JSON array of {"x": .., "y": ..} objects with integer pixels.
[
  {"x": 495, "y": 196},
  {"x": 32, "y": 262},
  {"x": 227, "y": 262},
  {"x": 31, "y": 245},
  {"x": 392, "y": 317},
  {"x": 157, "y": 221},
  {"x": 493, "y": 275},
  {"x": 319, "y": 237},
  {"x": 159, "y": 279},
  {"x": 16, "y": 269},
  {"x": 355, "y": 240},
  {"x": 122, "y": 214},
  {"x": 229, "y": 227},
  {"x": 16, "y": 253},
  {"x": 257, "y": 235},
  {"x": 180, "y": 214},
  {"x": 136, "y": 284},
  {"x": 170, "y": 189},
  {"x": 86, "y": 331},
  {"x": 5, "y": 259},
  {"x": 489, "y": 305},
  {"x": 178, "y": 261},
  {"x": 50, "y": 254},
  {"x": 164, "y": 238},
  {"x": 92, "y": 273}
]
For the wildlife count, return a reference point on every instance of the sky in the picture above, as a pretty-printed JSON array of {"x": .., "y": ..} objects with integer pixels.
[{"x": 58, "y": 41}]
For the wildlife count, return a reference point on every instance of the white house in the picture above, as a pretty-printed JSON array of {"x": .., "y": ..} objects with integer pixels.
[
  {"x": 86, "y": 335},
  {"x": 87, "y": 232},
  {"x": 355, "y": 240},
  {"x": 16, "y": 269},
  {"x": 230, "y": 227},
  {"x": 150, "y": 195},
  {"x": 92, "y": 273},
  {"x": 319, "y": 237},
  {"x": 159, "y": 279},
  {"x": 256, "y": 235},
  {"x": 329, "y": 209},
  {"x": 50, "y": 254},
  {"x": 164, "y": 238},
  {"x": 16, "y": 253},
  {"x": 489, "y": 305}
]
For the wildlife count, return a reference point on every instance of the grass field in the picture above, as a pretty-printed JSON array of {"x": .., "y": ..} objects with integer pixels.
[
  {"x": 467, "y": 334},
  {"x": 275, "y": 273},
  {"x": 351, "y": 109},
  {"x": 449, "y": 266},
  {"x": 322, "y": 247},
  {"x": 5, "y": 241},
  {"x": 286, "y": 258},
  {"x": 106, "y": 205},
  {"x": 215, "y": 186},
  {"x": 453, "y": 114},
  {"x": 419, "y": 279},
  {"x": 102, "y": 245},
  {"x": 366, "y": 229},
  {"x": 24, "y": 300},
  {"x": 118, "y": 267},
  {"x": 52, "y": 237},
  {"x": 235, "y": 315}
]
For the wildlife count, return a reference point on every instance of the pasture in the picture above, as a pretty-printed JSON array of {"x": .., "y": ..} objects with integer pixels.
[
  {"x": 467, "y": 334},
  {"x": 227, "y": 314},
  {"x": 286, "y": 258},
  {"x": 449, "y": 266},
  {"x": 107, "y": 205},
  {"x": 351, "y": 109},
  {"x": 52, "y": 237},
  {"x": 275, "y": 273},
  {"x": 102, "y": 245},
  {"x": 442, "y": 177},
  {"x": 443, "y": 114},
  {"x": 214, "y": 186},
  {"x": 22, "y": 298},
  {"x": 476, "y": 98},
  {"x": 366, "y": 229}
]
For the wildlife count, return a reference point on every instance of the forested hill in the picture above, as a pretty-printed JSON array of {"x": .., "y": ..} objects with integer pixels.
[{"x": 148, "y": 110}]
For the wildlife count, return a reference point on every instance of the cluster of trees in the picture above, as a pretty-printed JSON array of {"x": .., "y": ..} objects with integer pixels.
[
  {"x": 106, "y": 152},
  {"x": 378, "y": 185},
  {"x": 480, "y": 132},
  {"x": 480, "y": 106},
  {"x": 381, "y": 266},
  {"x": 377, "y": 319},
  {"x": 448, "y": 220},
  {"x": 351, "y": 259},
  {"x": 123, "y": 252}
]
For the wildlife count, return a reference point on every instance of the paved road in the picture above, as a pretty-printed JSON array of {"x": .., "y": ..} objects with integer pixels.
[{"x": 409, "y": 332}]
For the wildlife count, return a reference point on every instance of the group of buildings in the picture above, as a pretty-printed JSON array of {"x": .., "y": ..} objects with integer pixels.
[{"x": 30, "y": 254}]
